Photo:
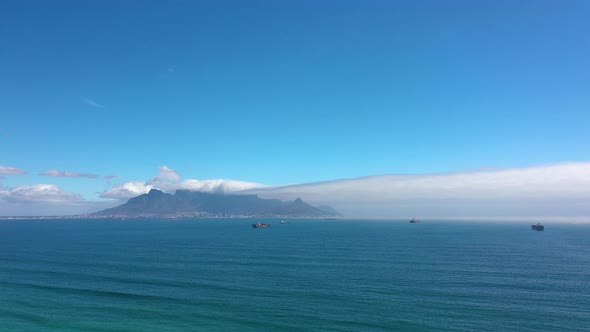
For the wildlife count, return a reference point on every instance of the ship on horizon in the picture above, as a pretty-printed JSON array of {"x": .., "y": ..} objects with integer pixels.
[
  {"x": 538, "y": 227},
  {"x": 414, "y": 221}
]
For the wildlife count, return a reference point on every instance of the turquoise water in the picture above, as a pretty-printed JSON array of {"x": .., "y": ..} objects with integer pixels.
[{"x": 310, "y": 275}]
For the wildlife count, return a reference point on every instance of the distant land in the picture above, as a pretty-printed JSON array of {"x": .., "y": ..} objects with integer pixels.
[{"x": 191, "y": 204}]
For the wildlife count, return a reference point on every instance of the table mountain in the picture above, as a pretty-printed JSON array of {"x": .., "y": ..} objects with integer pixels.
[{"x": 184, "y": 203}]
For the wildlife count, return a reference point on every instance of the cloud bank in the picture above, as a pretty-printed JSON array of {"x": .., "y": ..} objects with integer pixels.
[
  {"x": 549, "y": 191},
  {"x": 8, "y": 170},
  {"x": 170, "y": 180},
  {"x": 552, "y": 190},
  {"x": 65, "y": 174}
]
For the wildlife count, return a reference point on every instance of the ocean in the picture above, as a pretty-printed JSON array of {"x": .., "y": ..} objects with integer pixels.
[{"x": 309, "y": 275}]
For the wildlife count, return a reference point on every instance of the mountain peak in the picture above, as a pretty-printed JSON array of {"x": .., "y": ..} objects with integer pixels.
[{"x": 155, "y": 192}]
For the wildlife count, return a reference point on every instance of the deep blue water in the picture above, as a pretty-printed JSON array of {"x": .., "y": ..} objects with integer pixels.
[{"x": 310, "y": 275}]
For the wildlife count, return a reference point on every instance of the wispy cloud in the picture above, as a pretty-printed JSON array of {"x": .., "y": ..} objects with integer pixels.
[
  {"x": 109, "y": 179},
  {"x": 169, "y": 180},
  {"x": 92, "y": 103},
  {"x": 65, "y": 174},
  {"x": 9, "y": 170}
]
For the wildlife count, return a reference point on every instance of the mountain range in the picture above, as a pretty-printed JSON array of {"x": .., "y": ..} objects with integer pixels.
[{"x": 184, "y": 203}]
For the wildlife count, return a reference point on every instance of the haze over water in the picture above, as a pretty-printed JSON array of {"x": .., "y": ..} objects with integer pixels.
[{"x": 344, "y": 275}]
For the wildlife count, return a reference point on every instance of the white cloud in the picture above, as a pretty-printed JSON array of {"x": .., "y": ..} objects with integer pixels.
[
  {"x": 66, "y": 174},
  {"x": 127, "y": 190},
  {"x": 166, "y": 176},
  {"x": 169, "y": 180},
  {"x": 8, "y": 170},
  {"x": 553, "y": 190},
  {"x": 217, "y": 185},
  {"x": 47, "y": 193},
  {"x": 92, "y": 103},
  {"x": 46, "y": 200}
]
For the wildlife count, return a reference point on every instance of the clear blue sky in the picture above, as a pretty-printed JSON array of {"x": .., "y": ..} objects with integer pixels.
[{"x": 289, "y": 91}]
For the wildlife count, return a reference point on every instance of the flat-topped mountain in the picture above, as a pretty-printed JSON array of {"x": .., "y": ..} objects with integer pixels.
[{"x": 184, "y": 203}]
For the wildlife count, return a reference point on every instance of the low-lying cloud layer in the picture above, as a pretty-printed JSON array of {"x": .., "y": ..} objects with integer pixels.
[
  {"x": 169, "y": 180},
  {"x": 553, "y": 190}
]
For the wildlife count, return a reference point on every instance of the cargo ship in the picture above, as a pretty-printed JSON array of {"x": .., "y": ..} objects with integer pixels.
[
  {"x": 538, "y": 227},
  {"x": 260, "y": 225},
  {"x": 414, "y": 221}
]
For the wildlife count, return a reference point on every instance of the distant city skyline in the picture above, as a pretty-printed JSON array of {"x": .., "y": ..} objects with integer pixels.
[{"x": 102, "y": 100}]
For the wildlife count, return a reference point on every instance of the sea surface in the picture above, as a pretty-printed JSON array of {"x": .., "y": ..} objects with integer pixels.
[{"x": 309, "y": 275}]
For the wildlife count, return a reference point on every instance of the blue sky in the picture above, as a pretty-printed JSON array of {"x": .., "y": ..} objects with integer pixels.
[{"x": 282, "y": 92}]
